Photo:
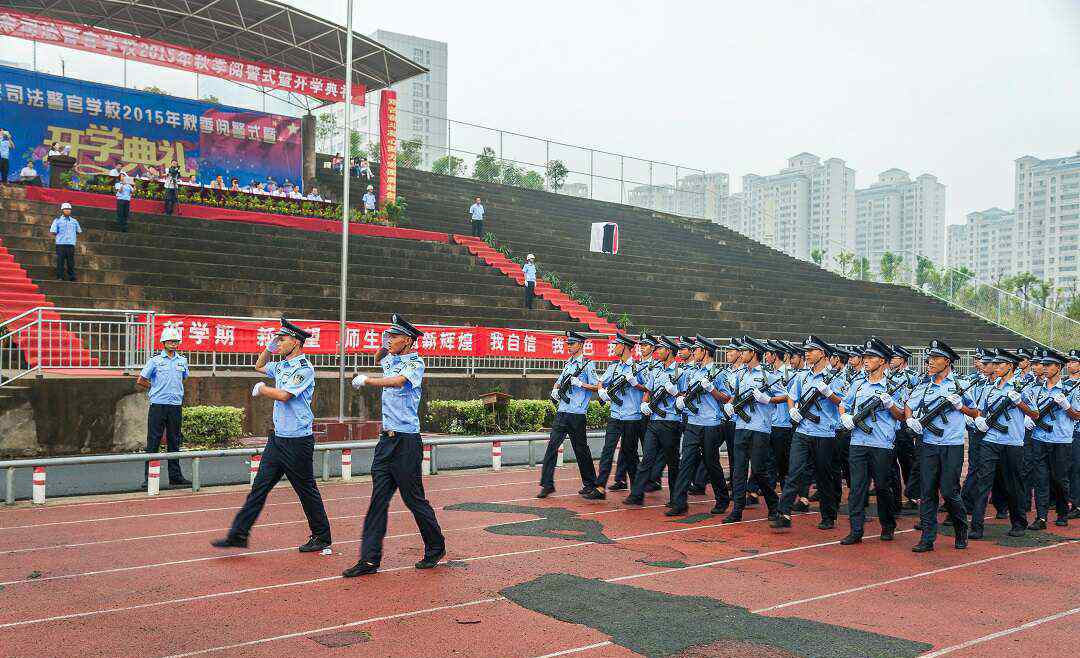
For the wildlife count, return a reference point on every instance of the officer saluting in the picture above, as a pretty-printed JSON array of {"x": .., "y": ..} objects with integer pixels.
[
  {"x": 577, "y": 381},
  {"x": 396, "y": 464},
  {"x": 290, "y": 448}
]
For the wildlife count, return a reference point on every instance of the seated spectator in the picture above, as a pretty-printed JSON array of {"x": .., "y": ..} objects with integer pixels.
[
  {"x": 55, "y": 150},
  {"x": 365, "y": 169},
  {"x": 287, "y": 186},
  {"x": 235, "y": 185},
  {"x": 295, "y": 193},
  {"x": 153, "y": 173},
  {"x": 369, "y": 200},
  {"x": 257, "y": 188},
  {"x": 218, "y": 183},
  {"x": 29, "y": 175},
  {"x": 337, "y": 163},
  {"x": 314, "y": 195},
  {"x": 354, "y": 168}
]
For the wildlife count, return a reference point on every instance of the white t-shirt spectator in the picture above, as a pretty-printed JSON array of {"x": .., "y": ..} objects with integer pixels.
[
  {"x": 314, "y": 197},
  {"x": 28, "y": 173},
  {"x": 369, "y": 201}
]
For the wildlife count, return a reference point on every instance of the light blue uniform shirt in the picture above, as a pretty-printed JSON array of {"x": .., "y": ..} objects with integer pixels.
[
  {"x": 760, "y": 414},
  {"x": 781, "y": 417},
  {"x": 369, "y": 201},
  {"x": 65, "y": 228},
  {"x": 293, "y": 418},
  {"x": 1013, "y": 419},
  {"x": 658, "y": 379},
  {"x": 579, "y": 397},
  {"x": 123, "y": 191},
  {"x": 925, "y": 397},
  {"x": 529, "y": 270},
  {"x": 630, "y": 409},
  {"x": 400, "y": 406},
  {"x": 1061, "y": 423},
  {"x": 476, "y": 211},
  {"x": 709, "y": 408},
  {"x": 166, "y": 376},
  {"x": 882, "y": 424},
  {"x": 5, "y": 147},
  {"x": 826, "y": 410}
]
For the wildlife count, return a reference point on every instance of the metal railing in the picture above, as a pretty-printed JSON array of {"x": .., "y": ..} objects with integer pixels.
[{"x": 430, "y": 464}]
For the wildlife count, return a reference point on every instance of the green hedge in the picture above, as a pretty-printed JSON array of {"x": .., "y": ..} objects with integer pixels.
[
  {"x": 212, "y": 427},
  {"x": 473, "y": 417}
]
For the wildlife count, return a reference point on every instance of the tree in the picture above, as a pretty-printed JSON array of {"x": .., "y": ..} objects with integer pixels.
[
  {"x": 511, "y": 174},
  {"x": 155, "y": 90},
  {"x": 448, "y": 165},
  {"x": 410, "y": 153},
  {"x": 1028, "y": 287},
  {"x": 818, "y": 256},
  {"x": 326, "y": 127},
  {"x": 487, "y": 167},
  {"x": 556, "y": 174},
  {"x": 846, "y": 261},
  {"x": 211, "y": 98},
  {"x": 862, "y": 268},
  {"x": 532, "y": 180},
  {"x": 926, "y": 273},
  {"x": 373, "y": 153},
  {"x": 891, "y": 265},
  {"x": 954, "y": 280}
]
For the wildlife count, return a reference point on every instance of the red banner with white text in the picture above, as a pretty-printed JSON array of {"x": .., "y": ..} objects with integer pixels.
[
  {"x": 106, "y": 42},
  {"x": 387, "y": 147},
  {"x": 230, "y": 335}
]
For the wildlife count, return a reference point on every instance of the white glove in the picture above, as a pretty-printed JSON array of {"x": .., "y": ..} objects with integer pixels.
[
  {"x": 914, "y": 425},
  {"x": 708, "y": 386},
  {"x": 763, "y": 398},
  {"x": 603, "y": 395},
  {"x": 257, "y": 388},
  {"x": 671, "y": 387},
  {"x": 729, "y": 409},
  {"x": 1062, "y": 401},
  {"x": 1028, "y": 423},
  {"x": 822, "y": 388},
  {"x": 576, "y": 381},
  {"x": 796, "y": 417},
  {"x": 359, "y": 381},
  {"x": 981, "y": 425},
  {"x": 554, "y": 391},
  {"x": 1014, "y": 396},
  {"x": 848, "y": 421},
  {"x": 633, "y": 381},
  {"x": 886, "y": 400},
  {"x": 680, "y": 404},
  {"x": 645, "y": 408},
  {"x": 955, "y": 401}
]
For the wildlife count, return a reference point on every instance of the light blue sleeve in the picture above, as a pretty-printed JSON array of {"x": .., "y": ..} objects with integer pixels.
[
  {"x": 414, "y": 373},
  {"x": 53, "y": 229},
  {"x": 299, "y": 381},
  {"x": 609, "y": 374},
  {"x": 589, "y": 374},
  {"x": 271, "y": 368},
  {"x": 849, "y": 400},
  {"x": 149, "y": 369},
  {"x": 78, "y": 226},
  {"x": 186, "y": 370}
]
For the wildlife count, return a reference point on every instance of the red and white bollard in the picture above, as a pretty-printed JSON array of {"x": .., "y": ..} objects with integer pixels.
[
  {"x": 153, "y": 478},
  {"x": 496, "y": 455},
  {"x": 39, "y": 485},
  {"x": 425, "y": 466},
  {"x": 346, "y": 464},
  {"x": 559, "y": 459},
  {"x": 254, "y": 470}
]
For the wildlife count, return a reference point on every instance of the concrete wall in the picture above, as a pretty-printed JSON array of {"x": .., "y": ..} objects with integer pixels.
[{"x": 55, "y": 417}]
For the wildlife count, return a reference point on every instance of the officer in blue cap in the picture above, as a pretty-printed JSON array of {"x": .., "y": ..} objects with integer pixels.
[
  {"x": 983, "y": 378},
  {"x": 904, "y": 378},
  {"x": 1072, "y": 368},
  {"x": 662, "y": 435},
  {"x": 398, "y": 455},
  {"x": 625, "y": 416},
  {"x": 646, "y": 364},
  {"x": 1058, "y": 403},
  {"x": 290, "y": 448},
  {"x": 578, "y": 377}
]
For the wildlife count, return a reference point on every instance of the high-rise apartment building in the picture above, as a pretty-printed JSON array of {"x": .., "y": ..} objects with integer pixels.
[
  {"x": 1048, "y": 218},
  {"x": 984, "y": 244},
  {"x": 902, "y": 216}
]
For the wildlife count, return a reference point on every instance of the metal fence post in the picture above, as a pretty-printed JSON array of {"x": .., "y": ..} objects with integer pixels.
[
  {"x": 622, "y": 179},
  {"x": 325, "y": 465},
  {"x": 592, "y": 179},
  {"x": 196, "y": 480},
  {"x": 39, "y": 328},
  {"x": 434, "y": 459},
  {"x": 9, "y": 480}
]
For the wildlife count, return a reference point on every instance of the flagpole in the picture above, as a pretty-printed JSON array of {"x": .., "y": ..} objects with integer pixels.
[{"x": 345, "y": 210}]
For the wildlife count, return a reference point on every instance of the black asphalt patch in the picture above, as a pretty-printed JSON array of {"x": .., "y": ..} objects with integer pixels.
[
  {"x": 660, "y": 625},
  {"x": 694, "y": 518},
  {"x": 667, "y": 564},
  {"x": 341, "y": 639},
  {"x": 999, "y": 534},
  {"x": 554, "y": 522}
]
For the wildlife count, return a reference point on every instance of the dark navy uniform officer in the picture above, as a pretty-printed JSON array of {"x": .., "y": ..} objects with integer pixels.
[
  {"x": 399, "y": 453},
  {"x": 290, "y": 448},
  {"x": 570, "y": 421}
]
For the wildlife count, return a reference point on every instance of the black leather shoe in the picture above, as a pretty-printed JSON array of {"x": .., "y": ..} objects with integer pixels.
[
  {"x": 545, "y": 492},
  {"x": 179, "y": 482},
  {"x": 719, "y": 509},
  {"x": 430, "y": 562},
  {"x": 676, "y": 511},
  {"x": 1061, "y": 521},
  {"x": 594, "y": 494},
  {"x": 652, "y": 486},
  {"x": 922, "y": 547},
  {"x": 618, "y": 486},
  {"x": 961, "y": 540},
  {"x": 697, "y": 491},
  {"x": 1016, "y": 531},
  {"x": 361, "y": 568},
  {"x": 975, "y": 533},
  {"x": 910, "y": 504},
  {"x": 751, "y": 500},
  {"x": 851, "y": 539},
  {"x": 732, "y": 518},
  {"x": 1075, "y": 513},
  {"x": 314, "y": 545},
  {"x": 584, "y": 490},
  {"x": 1003, "y": 514},
  {"x": 814, "y": 497},
  {"x": 780, "y": 521},
  {"x": 230, "y": 542},
  {"x": 827, "y": 524},
  {"x": 1037, "y": 524},
  {"x": 636, "y": 501},
  {"x": 800, "y": 506}
]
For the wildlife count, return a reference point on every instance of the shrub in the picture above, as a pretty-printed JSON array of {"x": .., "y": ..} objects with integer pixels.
[
  {"x": 211, "y": 427},
  {"x": 472, "y": 417}
]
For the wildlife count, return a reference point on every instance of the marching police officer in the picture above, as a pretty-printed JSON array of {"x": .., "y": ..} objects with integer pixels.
[
  {"x": 164, "y": 376},
  {"x": 1052, "y": 439},
  {"x": 398, "y": 455},
  {"x": 290, "y": 447},
  {"x": 576, "y": 382},
  {"x": 646, "y": 345},
  {"x": 625, "y": 417},
  {"x": 662, "y": 435},
  {"x": 780, "y": 434},
  {"x": 1073, "y": 368},
  {"x": 941, "y": 453},
  {"x": 871, "y": 450}
]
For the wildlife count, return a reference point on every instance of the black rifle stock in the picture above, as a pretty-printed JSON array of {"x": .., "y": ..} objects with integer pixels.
[
  {"x": 620, "y": 382},
  {"x": 1047, "y": 406},
  {"x": 697, "y": 389},
  {"x": 563, "y": 384},
  {"x": 807, "y": 405},
  {"x": 657, "y": 396},
  {"x": 943, "y": 405}
]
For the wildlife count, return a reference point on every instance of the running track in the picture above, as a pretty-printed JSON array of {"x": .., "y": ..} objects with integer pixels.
[{"x": 132, "y": 576}]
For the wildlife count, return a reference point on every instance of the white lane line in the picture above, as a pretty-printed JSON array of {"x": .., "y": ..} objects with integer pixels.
[
  {"x": 1002, "y": 633},
  {"x": 311, "y": 581},
  {"x": 568, "y": 652},
  {"x": 224, "y": 509}
]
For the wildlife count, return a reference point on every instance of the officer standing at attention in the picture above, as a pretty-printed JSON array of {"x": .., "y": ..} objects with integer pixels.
[
  {"x": 941, "y": 458},
  {"x": 398, "y": 455},
  {"x": 529, "y": 270},
  {"x": 124, "y": 188},
  {"x": 164, "y": 377},
  {"x": 662, "y": 435},
  {"x": 65, "y": 228},
  {"x": 476, "y": 217},
  {"x": 1052, "y": 440},
  {"x": 290, "y": 447},
  {"x": 570, "y": 420},
  {"x": 871, "y": 452},
  {"x": 625, "y": 417}
]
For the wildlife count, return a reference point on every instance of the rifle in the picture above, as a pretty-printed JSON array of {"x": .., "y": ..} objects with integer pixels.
[
  {"x": 872, "y": 407},
  {"x": 942, "y": 406},
  {"x": 658, "y": 396},
  {"x": 563, "y": 384},
  {"x": 1003, "y": 407},
  {"x": 807, "y": 404},
  {"x": 697, "y": 389},
  {"x": 619, "y": 382},
  {"x": 1047, "y": 406},
  {"x": 747, "y": 399}
]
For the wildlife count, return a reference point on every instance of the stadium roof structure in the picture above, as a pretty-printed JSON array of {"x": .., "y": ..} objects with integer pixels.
[{"x": 264, "y": 31}]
